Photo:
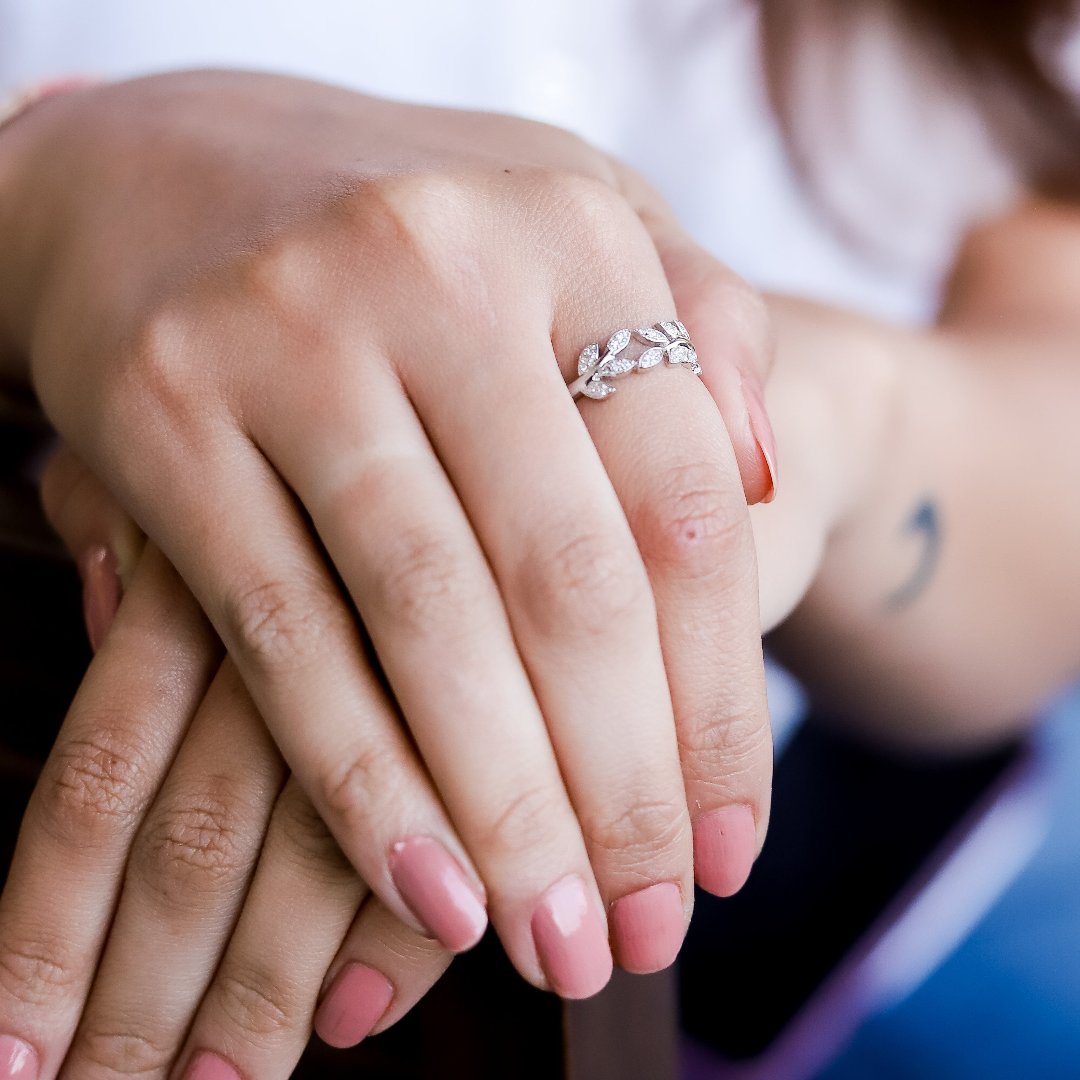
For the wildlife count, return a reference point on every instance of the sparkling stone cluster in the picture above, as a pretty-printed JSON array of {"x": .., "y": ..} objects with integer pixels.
[{"x": 663, "y": 341}]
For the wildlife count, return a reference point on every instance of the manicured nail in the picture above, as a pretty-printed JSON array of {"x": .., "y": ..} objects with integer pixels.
[
  {"x": 437, "y": 891},
  {"x": 761, "y": 429},
  {"x": 571, "y": 940},
  {"x": 101, "y": 592},
  {"x": 207, "y": 1066},
  {"x": 725, "y": 846},
  {"x": 357, "y": 1000},
  {"x": 647, "y": 927},
  {"x": 18, "y": 1060}
]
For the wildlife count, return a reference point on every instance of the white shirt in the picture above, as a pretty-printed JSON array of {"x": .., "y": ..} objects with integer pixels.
[{"x": 674, "y": 87}]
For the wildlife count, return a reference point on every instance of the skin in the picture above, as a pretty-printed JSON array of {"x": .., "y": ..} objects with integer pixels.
[
  {"x": 222, "y": 319},
  {"x": 865, "y": 455},
  {"x": 837, "y": 394},
  {"x": 979, "y": 422}
]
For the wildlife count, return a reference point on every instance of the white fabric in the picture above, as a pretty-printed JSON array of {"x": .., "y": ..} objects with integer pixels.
[{"x": 672, "y": 86}]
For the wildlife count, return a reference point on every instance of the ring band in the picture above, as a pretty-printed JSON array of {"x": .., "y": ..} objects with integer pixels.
[{"x": 663, "y": 341}]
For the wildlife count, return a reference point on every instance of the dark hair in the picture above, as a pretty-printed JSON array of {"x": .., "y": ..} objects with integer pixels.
[{"x": 1006, "y": 53}]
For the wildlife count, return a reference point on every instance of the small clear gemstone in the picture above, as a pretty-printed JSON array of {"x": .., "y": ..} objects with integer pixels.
[
  {"x": 650, "y": 358},
  {"x": 589, "y": 355},
  {"x": 679, "y": 354},
  {"x": 616, "y": 365},
  {"x": 682, "y": 329},
  {"x": 618, "y": 341},
  {"x": 649, "y": 333},
  {"x": 597, "y": 388},
  {"x": 671, "y": 329}
]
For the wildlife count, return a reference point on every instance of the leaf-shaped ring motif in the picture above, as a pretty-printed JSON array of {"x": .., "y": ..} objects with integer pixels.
[{"x": 662, "y": 341}]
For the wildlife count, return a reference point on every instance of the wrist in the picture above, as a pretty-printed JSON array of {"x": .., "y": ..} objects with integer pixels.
[
  {"x": 832, "y": 397},
  {"x": 25, "y": 122}
]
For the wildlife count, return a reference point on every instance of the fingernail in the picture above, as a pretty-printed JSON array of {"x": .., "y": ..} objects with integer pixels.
[
  {"x": 571, "y": 940},
  {"x": 437, "y": 891},
  {"x": 357, "y": 1000},
  {"x": 101, "y": 592},
  {"x": 725, "y": 845},
  {"x": 207, "y": 1066},
  {"x": 648, "y": 927},
  {"x": 18, "y": 1060},
  {"x": 761, "y": 429}
]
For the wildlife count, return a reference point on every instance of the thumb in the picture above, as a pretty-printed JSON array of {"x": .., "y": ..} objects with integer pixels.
[
  {"x": 730, "y": 326},
  {"x": 96, "y": 530}
]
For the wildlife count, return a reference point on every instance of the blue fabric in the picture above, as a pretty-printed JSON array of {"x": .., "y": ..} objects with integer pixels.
[{"x": 1006, "y": 1005}]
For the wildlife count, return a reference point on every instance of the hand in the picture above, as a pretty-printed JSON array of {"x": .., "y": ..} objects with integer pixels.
[
  {"x": 313, "y": 341},
  {"x": 174, "y": 898}
]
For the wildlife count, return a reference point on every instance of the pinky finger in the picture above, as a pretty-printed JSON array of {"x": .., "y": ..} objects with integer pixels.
[{"x": 381, "y": 971}]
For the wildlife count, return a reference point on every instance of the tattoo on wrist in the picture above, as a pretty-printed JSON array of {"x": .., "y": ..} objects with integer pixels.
[{"x": 925, "y": 524}]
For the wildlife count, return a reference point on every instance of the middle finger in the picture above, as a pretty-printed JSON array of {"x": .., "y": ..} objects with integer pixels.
[{"x": 186, "y": 879}]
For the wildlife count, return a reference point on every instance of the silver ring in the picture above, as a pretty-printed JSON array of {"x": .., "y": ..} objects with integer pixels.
[{"x": 632, "y": 350}]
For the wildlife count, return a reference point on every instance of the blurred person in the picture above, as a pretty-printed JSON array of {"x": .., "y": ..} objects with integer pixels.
[{"x": 264, "y": 312}]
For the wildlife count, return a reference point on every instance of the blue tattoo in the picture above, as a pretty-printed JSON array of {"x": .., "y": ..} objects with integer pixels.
[{"x": 925, "y": 523}]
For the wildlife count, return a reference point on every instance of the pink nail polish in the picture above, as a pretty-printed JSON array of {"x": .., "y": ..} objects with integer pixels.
[
  {"x": 18, "y": 1060},
  {"x": 725, "y": 846},
  {"x": 761, "y": 429},
  {"x": 647, "y": 927},
  {"x": 571, "y": 940},
  {"x": 437, "y": 891},
  {"x": 207, "y": 1066},
  {"x": 101, "y": 592},
  {"x": 357, "y": 1000}
]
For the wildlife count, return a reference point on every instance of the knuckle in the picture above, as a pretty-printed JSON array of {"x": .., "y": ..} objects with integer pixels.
[
  {"x": 523, "y": 824},
  {"x": 256, "y": 1003},
  {"x": 279, "y": 625},
  {"x": 93, "y": 789},
  {"x": 104, "y": 1051},
  {"x": 580, "y": 197},
  {"x": 722, "y": 746},
  {"x": 195, "y": 848},
  {"x": 305, "y": 836},
  {"x": 603, "y": 227},
  {"x": 279, "y": 275},
  {"x": 583, "y": 581},
  {"x": 404, "y": 220},
  {"x": 366, "y": 781},
  {"x": 151, "y": 364},
  {"x": 646, "y": 829},
  {"x": 425, "y": 585},
  {"x": 34, "y": 968},
  {"x": 695, "y": 524}
]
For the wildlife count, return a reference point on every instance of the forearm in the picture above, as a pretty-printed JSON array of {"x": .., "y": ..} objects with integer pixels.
[{"x": 945, "y": 608}]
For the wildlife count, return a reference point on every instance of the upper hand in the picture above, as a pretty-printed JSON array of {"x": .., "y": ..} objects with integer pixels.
[{"x": 317, "y": 344}]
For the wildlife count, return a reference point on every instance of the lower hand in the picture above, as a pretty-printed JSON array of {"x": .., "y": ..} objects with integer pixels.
[{"x": 174, "y": 899}]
